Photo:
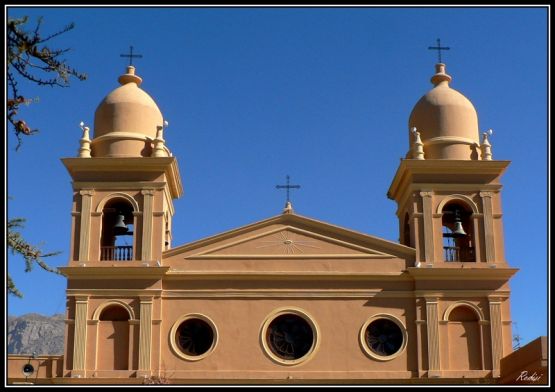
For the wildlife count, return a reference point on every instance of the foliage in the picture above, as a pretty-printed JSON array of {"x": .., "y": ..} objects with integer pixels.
[
  {"x": 30, "y": 58},
  {"x": 32, "y": 254}
]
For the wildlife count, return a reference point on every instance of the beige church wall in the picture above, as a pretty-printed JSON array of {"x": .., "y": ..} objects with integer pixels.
[
  {"x": 374, "y": 266},
  {"x": 378, "y": 285},
  {"x": 464, "y": 285},
  {"x": 45, "y": 366},
  {"x": 109, "y": 284},
  {"x": 239, "y": 351}
]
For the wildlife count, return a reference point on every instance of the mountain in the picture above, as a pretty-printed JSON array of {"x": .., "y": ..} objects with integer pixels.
[{"x": 34, "y": 332}]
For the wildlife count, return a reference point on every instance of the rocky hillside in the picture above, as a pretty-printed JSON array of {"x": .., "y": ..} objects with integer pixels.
[{"x": 36, "y": 333}]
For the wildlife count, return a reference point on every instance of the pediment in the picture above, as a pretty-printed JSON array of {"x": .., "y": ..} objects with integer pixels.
[
  {"x": 292, "y": 237},
  {"x": 287, "y": 242}
]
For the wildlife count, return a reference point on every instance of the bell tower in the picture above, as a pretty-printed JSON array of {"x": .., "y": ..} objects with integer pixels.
[
  {"x": 448, "y": 193},
  {"x": 124, "y": 181},
  {"x": 448, "y": 186}
]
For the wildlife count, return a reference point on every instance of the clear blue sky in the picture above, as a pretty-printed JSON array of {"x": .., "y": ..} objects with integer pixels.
[{"x": 321, "y": 94}]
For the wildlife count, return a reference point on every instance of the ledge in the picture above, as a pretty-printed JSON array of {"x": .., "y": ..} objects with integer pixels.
[
  {"x": 110, "y": 271},
  {"x": 436, "y": 273}
]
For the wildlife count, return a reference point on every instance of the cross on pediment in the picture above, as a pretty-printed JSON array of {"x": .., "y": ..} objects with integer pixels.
[{"x": 287, "y": 187}]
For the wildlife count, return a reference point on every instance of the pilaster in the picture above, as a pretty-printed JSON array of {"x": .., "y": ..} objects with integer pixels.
[
  {"x": 145, "y": 336},
  {"x": 84, "y": 232},
  {"x": 428, "y": 227},
  {"x": 80, "y": 336},
  {"x": 488, "y": 226},
  {"x": 433, "y": 337},
  {"x": 146, "y": 249},
  {"x": 496, "y": 334}
]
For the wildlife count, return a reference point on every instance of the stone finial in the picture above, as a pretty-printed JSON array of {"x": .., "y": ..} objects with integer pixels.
[
  {"x": 130, "y": 77},
  {"x": 418, "y": 146},
  {"x": 159, "y": 150},
  {"x": 485, "y": 147},
  {"x": 288, "y": 208},
  {"x": 440, "y": 75},
  {"x": 85, "y": 142}
]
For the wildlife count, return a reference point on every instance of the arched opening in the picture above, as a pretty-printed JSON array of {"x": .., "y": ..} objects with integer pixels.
[
  {"x": 406, "y": 231},
  {"x": 458, "y": 233},
  {"x": 117, "y": 231},
  {"x": 113, "y": 339},
  {"x": 465, "y": 345}
]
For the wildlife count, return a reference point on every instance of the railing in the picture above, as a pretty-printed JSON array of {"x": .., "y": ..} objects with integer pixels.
[
  {"x": 116, "y": 253},
  {"x": 455, "y": 253}
]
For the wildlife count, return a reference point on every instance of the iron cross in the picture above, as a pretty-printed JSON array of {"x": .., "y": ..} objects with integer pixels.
[
  {"x": 131, "y": 55},
  {"x": 287, "y": 187},
  {"x": 439, "y": 48}
]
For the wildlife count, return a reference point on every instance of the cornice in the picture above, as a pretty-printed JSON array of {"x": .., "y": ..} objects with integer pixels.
[
  {"x": 480, "y": 169},
  {"x": 109, "y": 272},
  {"x": 168, "y": 165},
  {"x": 285, "y": 275},
  {"x": 462, "y": 273}
]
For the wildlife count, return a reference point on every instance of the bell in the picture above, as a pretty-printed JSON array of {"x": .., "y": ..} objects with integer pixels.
[
  {"x": 458, "y": 231},
  {"x": 120, "y": 228}
]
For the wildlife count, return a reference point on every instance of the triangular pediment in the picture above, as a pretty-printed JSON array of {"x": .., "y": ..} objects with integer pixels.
[
  {"x": 289, "y": 241},
  {"x": 292, "y": 236}
]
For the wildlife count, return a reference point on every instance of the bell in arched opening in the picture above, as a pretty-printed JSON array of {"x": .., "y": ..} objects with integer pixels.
[
  {"x": 458, "y": 230},
  {"x": 117, "y": 232},
  {"x": 457, "y": 234}
]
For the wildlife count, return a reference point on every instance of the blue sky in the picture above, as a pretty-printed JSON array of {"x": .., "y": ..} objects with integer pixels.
[{"x": 321, "y": 94}]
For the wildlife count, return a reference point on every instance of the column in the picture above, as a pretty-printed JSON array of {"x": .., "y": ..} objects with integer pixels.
[
  {"x": 488, "y": 226},
  {"x": 80, "y": 336},
  {"x": 433, "y": 337},
  {"x": 145, "y": 336},
  {"x": 84, "y": 231},
  {"x": 496, "y": 334},
  {"x": 428, "y": 227},
  {"x": 420, "y": 325},
  {"x": 146, "y": 249}
]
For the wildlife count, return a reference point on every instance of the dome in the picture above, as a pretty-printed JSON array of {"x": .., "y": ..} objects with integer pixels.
[
  {"x": 126, "y": 121},
  {"x": 446, "y": 120}
]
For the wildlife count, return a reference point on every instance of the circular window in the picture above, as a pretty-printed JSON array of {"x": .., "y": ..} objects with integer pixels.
[
  {"x": 383, "y": 337},
  {"x": 289, "y": 337},
  {"x": 193, "y": 337}
]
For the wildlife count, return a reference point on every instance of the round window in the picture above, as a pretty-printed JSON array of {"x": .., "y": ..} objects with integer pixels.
[
  {"x": 289, "y": 336},
  {"x": 383, "y": 338},
  {"x": 194, "y": 337}
]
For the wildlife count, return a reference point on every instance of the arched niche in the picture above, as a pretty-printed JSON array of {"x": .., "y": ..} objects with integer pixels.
[
  {"x": 465, "y": 338},
  {"x": 113, "y": 343}
]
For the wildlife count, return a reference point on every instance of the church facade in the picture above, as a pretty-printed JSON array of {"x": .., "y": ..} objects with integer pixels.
[{"x": 289, "y": 299}]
